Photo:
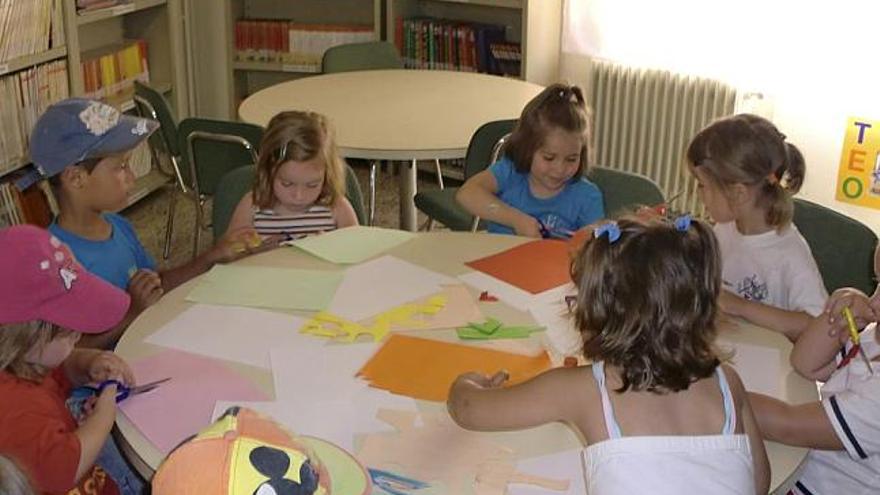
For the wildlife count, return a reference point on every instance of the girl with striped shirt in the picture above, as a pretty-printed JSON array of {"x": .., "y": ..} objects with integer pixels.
[{"x": 299, "y": 186}]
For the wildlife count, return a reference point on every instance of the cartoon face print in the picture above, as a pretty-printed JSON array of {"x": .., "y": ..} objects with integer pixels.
[{"x": 274, "y": 463}]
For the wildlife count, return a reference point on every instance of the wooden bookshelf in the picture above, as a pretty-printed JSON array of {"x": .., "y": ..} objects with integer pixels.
[
  {"x": 117, "y": 11},
  {"x": 28, "y": 61},
  {"x": 274, "y": 67},
  {"x": 534, "y": 24}
]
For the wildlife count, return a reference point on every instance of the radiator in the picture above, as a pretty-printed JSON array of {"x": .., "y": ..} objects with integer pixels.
[{"x": 644, "y": 120}]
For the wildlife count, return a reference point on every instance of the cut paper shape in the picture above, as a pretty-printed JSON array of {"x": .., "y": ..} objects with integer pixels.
[
  {"x": 449, "y": 309},
  {"x": 352, "y": 244},
  {"x": 424, "y": 369},
  {"x": 494, "y": 329},
  {"x": 534, "y": 266},
  {"x": 486, "y": 297},
  {"x": 565, "y": 465},
  {"x": 395, "y": 484},
  {"x": 440, "y": 453},
  {"x": 232, "y": 333},
  {"x": 182, "y": 406},
  {"x": 267, "y": 287},
  {"x": 379, "y": 285}
]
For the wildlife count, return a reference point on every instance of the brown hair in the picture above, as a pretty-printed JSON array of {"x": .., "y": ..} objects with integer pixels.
[
  {"x": 647, "y": 303},
  {"x": 750, "y": 150},
  {"x": 298, "y": 136},
  {"x": 558, "y": 106},
  {"x": 17, "y": 339}
]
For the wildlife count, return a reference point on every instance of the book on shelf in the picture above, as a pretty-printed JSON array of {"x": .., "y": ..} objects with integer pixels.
[
  {"x": 85, "y": 6},
  {"x": 29, "y": 27},
  {"x": 429, "y": 43},
  {"x": 29, "y": 206},
  {"x": 24, "y": 96},
  {"x": 291, "y": 43},
  {"x": 506, "y": 58},
  {"x": 111, "y": 70}
]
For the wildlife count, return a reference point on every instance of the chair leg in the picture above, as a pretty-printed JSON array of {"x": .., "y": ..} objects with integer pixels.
[
  {"x": 197, "y": 233},
  {"x": 169, "y": 224},
  {"x": 371, "y": 214},
  {"x": 429, "y": 224},
  {"x": 439, "y": 173}
]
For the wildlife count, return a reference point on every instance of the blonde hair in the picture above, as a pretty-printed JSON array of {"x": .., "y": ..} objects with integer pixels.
[
  {"x": 12, "y": 480},
  {"x": 748, "y": 149},
  {"x": 298, "y": 136},
  {"x": 18, "y": 339}
]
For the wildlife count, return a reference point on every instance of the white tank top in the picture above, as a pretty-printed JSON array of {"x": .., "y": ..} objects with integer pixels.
[{"x": 705, "y": 464}]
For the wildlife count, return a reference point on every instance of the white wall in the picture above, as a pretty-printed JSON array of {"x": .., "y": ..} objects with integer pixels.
[{"x": 818, "y": 62}]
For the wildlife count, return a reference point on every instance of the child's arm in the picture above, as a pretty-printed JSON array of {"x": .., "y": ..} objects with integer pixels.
[
  {"x": 750, "y": 426},
  {"x": 243, "y": 215},
  {"x": 94, "y": 430},
  {"x": 478, "y": 402},
  {"x": 803, "y": 425},
  {"x": 478, "y": 196},
  {"x": 344, "y": 214},
  {"x": 815, "y": 349},
  {"x": 788, "y": 323}
]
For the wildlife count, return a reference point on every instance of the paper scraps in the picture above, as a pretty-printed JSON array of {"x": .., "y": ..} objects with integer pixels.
[{"x": 494, "y": 329}]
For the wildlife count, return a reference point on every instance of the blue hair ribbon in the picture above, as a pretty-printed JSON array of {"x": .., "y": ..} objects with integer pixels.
[
  {"x": 682, "y": 223},
  {"x": 610, "y": 228}
]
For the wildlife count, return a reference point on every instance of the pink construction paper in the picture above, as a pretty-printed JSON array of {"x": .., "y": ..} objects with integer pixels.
[{"x": 182, "y": 406}]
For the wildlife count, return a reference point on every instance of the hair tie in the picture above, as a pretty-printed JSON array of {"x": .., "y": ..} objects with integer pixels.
[
  {"x": 610, "y": 228},
  {"x": 682, "y": 223},
  {"x": 282, "y": 151}
]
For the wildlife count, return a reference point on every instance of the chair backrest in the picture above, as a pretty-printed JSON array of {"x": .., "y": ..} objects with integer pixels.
[
  {"x": 484, "y": 145},
  {"x": 372, "y": 55},
  {"x": 621, "y": 191},
  {"x": 236, "y": 183},
  {"x": 842, "y": 246},
  {"x": 211, "y": 148},
  {"x": 151, "y": 104}
]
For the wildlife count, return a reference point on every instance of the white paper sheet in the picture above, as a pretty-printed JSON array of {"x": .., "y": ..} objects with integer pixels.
[
  {"x": 759, "y": 367},
  {"x": 233, "y": 333},
  {"x": 382, "y": 284}
]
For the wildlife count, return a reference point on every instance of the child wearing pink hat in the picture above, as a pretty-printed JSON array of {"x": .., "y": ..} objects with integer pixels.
[{"x": 47, "y": 300}]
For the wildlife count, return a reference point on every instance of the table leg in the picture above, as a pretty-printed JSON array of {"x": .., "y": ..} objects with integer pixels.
[{"x": 407, "y": 193}]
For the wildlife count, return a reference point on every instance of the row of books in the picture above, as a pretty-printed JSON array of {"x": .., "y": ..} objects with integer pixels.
[
  {"x": 428, "y": 43},
  {"x": 113, "y": 69},
  {"x": 24, "y": 96},
  {"x": 29, "y": 27},
  {"x": 291, "y": 43},
  {"x": 83, "y": 6},
  {"x": 36, "y": 205}
]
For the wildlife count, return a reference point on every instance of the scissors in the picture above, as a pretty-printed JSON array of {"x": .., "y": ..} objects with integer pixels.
[
  {"x": 854, "y": 336},
  {"x": 122, "y": 391},
  {"x": 553, "y": 232}
]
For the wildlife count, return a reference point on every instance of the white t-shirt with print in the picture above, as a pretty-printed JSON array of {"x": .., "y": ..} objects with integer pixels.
[
  {"x": 774, "y": 268},
  {"x": 851, "y": 398}
]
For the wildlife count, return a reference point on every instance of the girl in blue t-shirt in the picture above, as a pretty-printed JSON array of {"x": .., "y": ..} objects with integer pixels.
[{"x": 538, "y": 188}]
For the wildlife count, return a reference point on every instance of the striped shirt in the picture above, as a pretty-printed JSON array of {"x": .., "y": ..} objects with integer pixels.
[{"x": 314, "y": 220}]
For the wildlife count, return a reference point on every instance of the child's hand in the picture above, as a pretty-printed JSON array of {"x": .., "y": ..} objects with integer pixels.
[
  {"x": 478, "y": 380},
  {"x": 108, "y": 366},
  {"x": 527, "y": 226},
  {"x": 241, "y": 243},
  {"x": 106, "y": 400},
  {"x": 145, "y": 288},
  {"x": 854, "y": 299}
]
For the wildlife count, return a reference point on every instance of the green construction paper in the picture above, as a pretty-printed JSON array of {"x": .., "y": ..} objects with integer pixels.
[
  {"x": 494, "y": 329},
  {"x": 267, "y": 287},
  {"x": 352, "y": 244},
  {"x": 488, "y": 327}
]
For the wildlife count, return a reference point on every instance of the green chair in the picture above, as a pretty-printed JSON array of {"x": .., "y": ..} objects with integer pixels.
[
  {"x": 163, "y": 145},
  {"x": 372, "y": 55},
  {"x": 842, "y": 246},
  {"x": 236, "y": 183},
  {"x": 483, "y": 150},
  {"x": 211, "y": 149},
  {"x": 622, "y": 191}
]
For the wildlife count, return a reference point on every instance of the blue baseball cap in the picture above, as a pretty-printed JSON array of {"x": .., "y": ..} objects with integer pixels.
[{"x": 77, "y": 129}]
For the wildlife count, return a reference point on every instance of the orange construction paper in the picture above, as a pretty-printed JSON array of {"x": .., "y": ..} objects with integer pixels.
[
  {"x": 534, "y": 266},
  {"x": 425, "y": 369}
]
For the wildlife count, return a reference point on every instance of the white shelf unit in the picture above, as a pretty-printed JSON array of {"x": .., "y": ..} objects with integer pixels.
[{"x": 535, "y": 24}]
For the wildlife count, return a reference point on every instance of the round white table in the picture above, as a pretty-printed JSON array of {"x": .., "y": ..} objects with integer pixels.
[
  {"x": 445, "y": 252},
  {"x": 401, "y": 115}
]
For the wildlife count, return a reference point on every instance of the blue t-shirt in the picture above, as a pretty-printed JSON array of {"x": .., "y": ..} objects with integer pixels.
[
  {"x": 115, "y": 259},
  {"x": 577, "y": 205}
]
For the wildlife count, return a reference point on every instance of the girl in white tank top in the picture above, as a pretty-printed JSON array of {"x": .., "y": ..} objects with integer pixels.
[{"x": 646, "y": 308}]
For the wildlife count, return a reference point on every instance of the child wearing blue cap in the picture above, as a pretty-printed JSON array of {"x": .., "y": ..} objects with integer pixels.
[{"x": 82, "y": 146}]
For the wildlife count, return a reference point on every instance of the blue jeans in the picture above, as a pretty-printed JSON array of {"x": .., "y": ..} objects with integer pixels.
[{"x": 112, "y": 461}]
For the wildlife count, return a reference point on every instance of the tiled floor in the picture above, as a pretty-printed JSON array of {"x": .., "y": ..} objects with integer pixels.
[{"x": 149, "y": 215}]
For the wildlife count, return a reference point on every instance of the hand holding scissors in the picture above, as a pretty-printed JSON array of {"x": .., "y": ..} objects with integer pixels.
[
  {"x": 122, "y": 391},
  {"x": 854, "y": 337}
]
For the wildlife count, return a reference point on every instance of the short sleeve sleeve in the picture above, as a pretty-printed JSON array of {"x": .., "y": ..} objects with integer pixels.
[
  {"x": 854, "y": 415},
  {"x": 806, "y": 289},
  {"x": 592, "y": 207},
  {"x": 142, "y": 258},
  {"x": 503, "y": 172},
  {"x": 45, "y": 448}
]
